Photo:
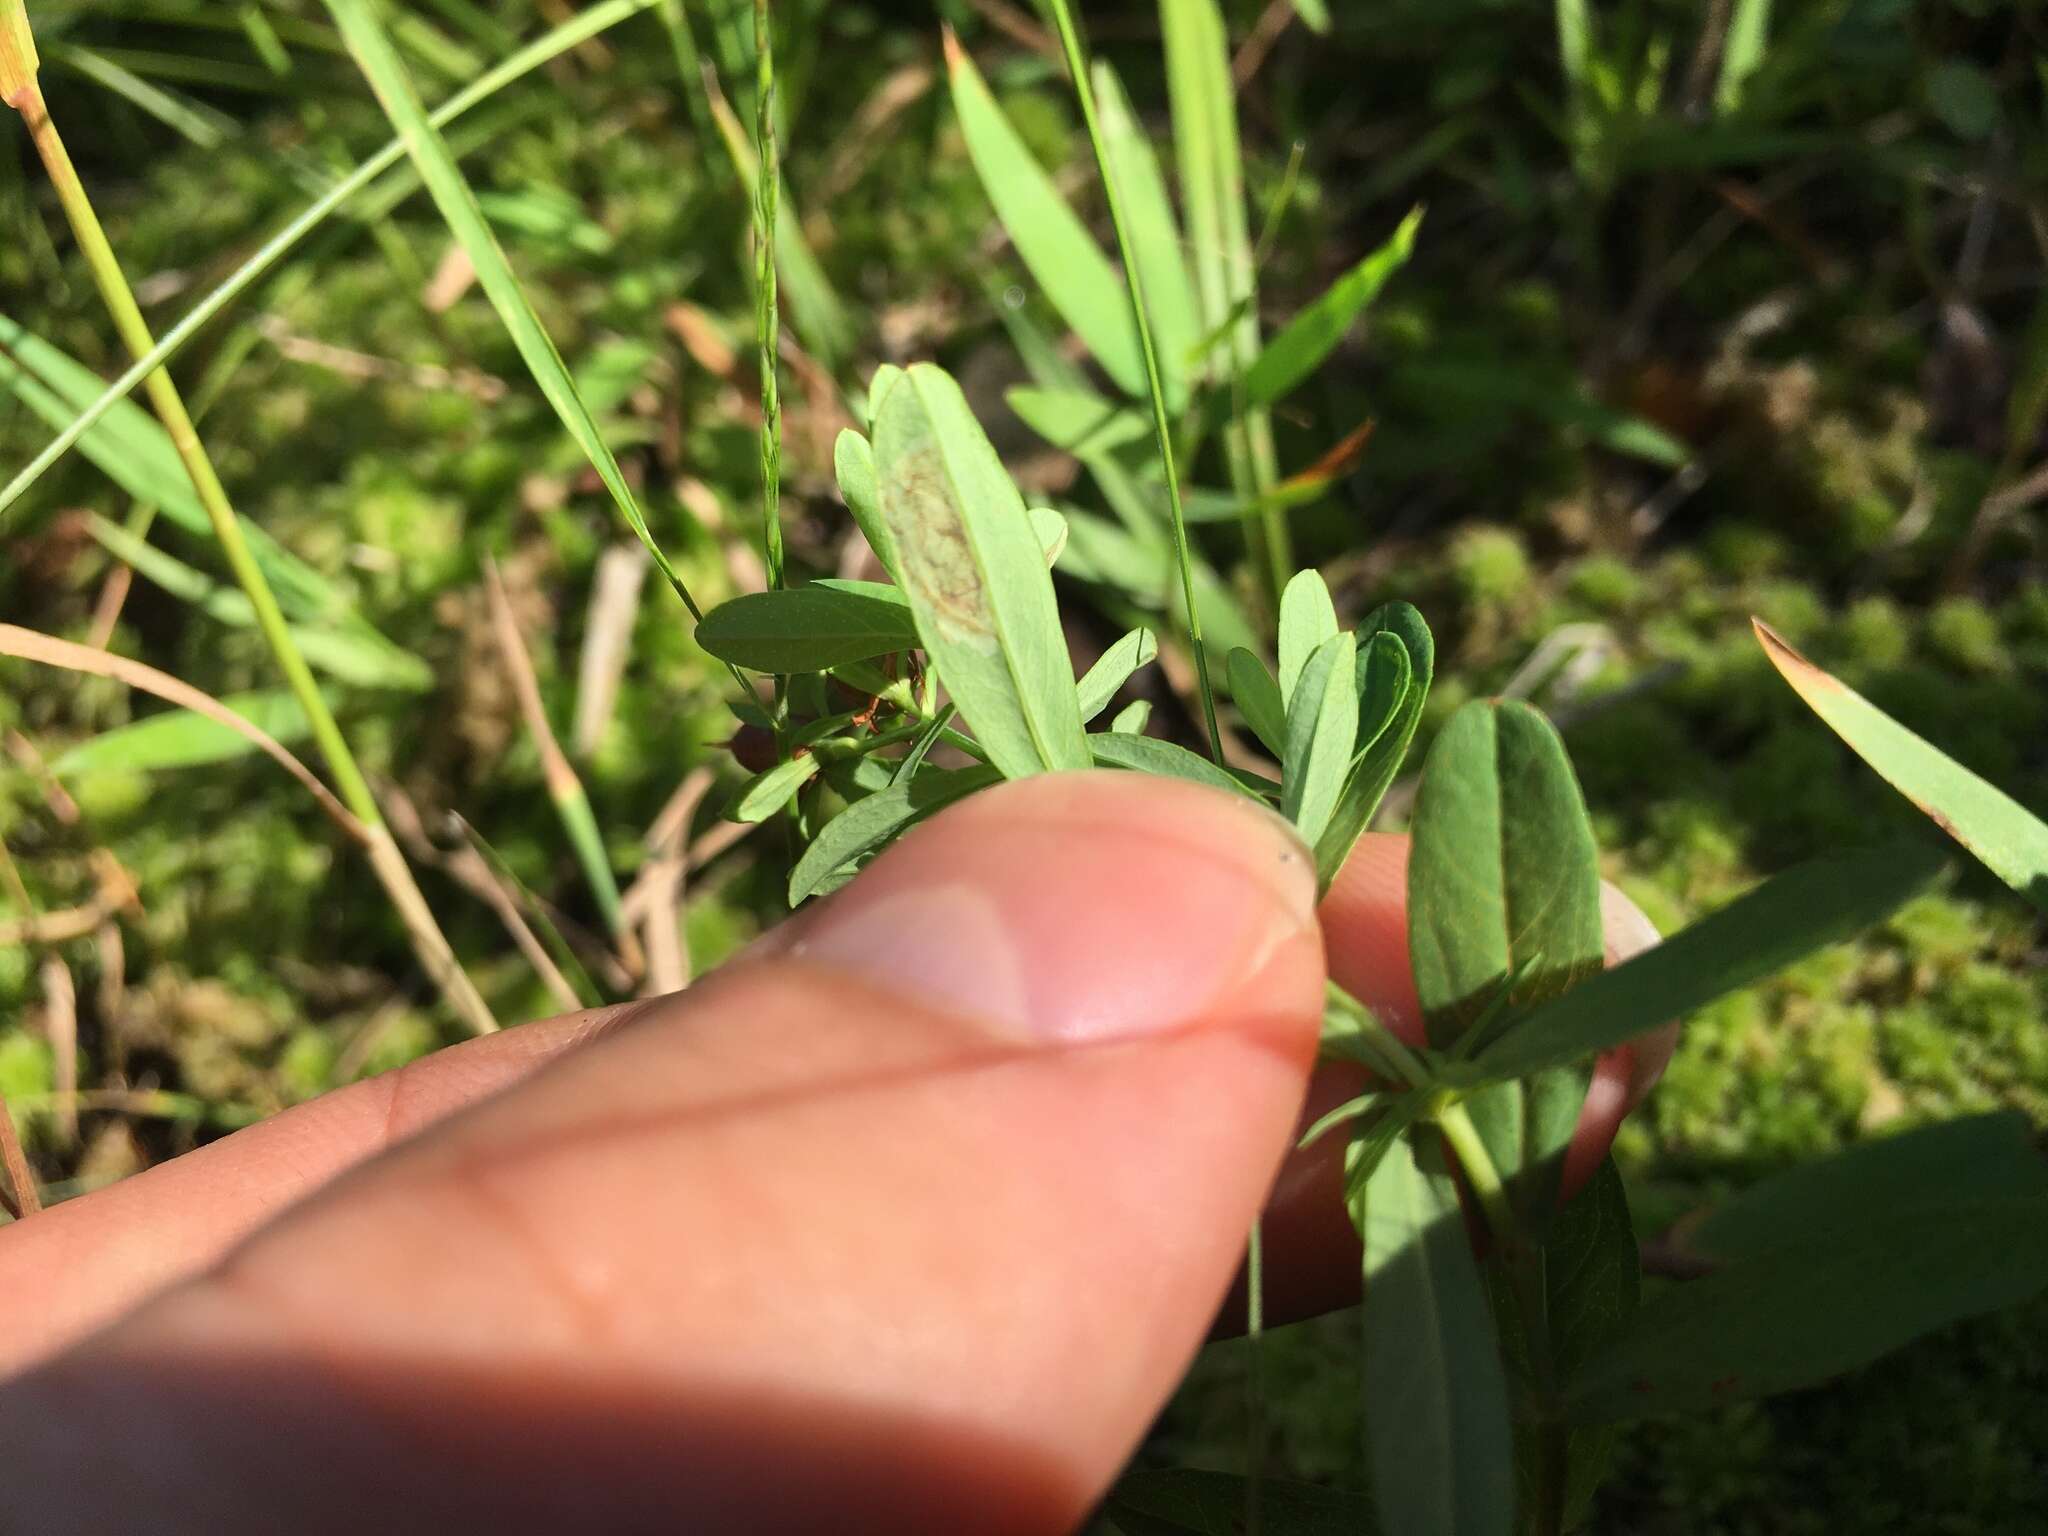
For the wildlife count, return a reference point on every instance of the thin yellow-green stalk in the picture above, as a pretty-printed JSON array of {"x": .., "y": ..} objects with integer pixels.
[
  {"x": 1077, "y": 66},
  {"x": 22, "y": 91}
]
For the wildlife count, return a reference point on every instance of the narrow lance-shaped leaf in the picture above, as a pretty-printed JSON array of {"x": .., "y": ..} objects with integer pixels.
[
  {"x": 182, "y": 739},
  {"x": 1436, "y": 1410},
  {"x": 2011, "y": 841},
  {"x": 1307, "y": 619},
  {"x": 1322, "y": 723},
  {"x": 1077, "y": 421},
  {"x": 1113, "y": 669},
  {"x": 1155, "y": 237},
  {"x": 1504, "y": 911},
  {"x": 853, "y": 462},
  {"x": 1833, "y": 1264},
  {"x": 1315, "y": 331},
  {"x": 769, "y": 791},
  {"x": 809, "y": 628},
  {"x": 1382, "y": 760},
  {"x": 1385, "y": 678},
  {"x": 445, "y": 183},
  {"x": 1258, "y": 699},
  {"x": 1788, "y": 916},
  {"x": 867, "y": 824},
  {"x": 1063, "y": 257},
  {"x": 976, "y": 577},
  {"x": 1147, "y": 754},
  {"x": 349, "y": 651},
  {"x": 133, "y": 450}
]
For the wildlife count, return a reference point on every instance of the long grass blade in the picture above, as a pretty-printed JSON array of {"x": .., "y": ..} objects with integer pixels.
[
  {"x": 450, "y": 190},
  {"x": 1077, "y": 67},
  {"x": 548, "y": 46}
]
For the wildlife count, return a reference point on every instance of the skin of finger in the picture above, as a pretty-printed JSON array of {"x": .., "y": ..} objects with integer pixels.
[
  {"x": 792, "y": 1247},
  {"x": 1314, "y": 1252},
  {"x": 71, "y": 1268}
]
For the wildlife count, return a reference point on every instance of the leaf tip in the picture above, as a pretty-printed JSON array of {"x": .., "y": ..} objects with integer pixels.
[
  {"x": 1802, "y": 674},
  {"x": 955, "y": 54}
]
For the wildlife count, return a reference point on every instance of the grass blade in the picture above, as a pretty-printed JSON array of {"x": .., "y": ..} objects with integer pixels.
[
  {"x": 1788, "y": 916},
  {"x": 1743, "y": 47},
  {"x": 27, "y": 645},
  {"x": 1155, "y": 237},
  {"x": 1311, "y": 335},
  {"x": 2010, "y": 840},
  {"x": 549, "y": 45},
  {"x": 1062, "y": 256},
  {"x": 1134, "y": 282},
  {"x": 183, "y": 739},
  {"x": 565, "y": 789},
  {"x": 451, "y": 193}
]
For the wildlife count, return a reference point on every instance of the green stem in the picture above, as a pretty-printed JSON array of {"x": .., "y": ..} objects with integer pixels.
[
  {"x": 586, "y": 24},
  {"x": 767, "y": 320},
  {"x": 27, "y": 98},
  {"x": 1162, "y": 428}
]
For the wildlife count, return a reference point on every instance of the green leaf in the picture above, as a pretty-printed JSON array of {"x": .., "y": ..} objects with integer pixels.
[
  {"x": 809, "y": 628},
  {"x": 133, "y": 450},
  {"x": 1077, "y": 421},
  {"x": 579, "y": 28},
  {"x": 1314, "y": 14},
  {"x": 1147, "y": 754},
  {"x": 1258, "y": 700},
  {"x": 1155, "y": 237},
  {"x": 1436, "y": 1405},
  {"x": 364, "y": 34},
  {"x": 1962, "y": 96},
  {"x": 853, "y": 461},
  {"x": 1503, "y": 876},
  {"x": 2011, "y": 841},
  {"x": 1504, "y": 911},
  {"x": 1587, "y": 1283},
  {"x": 867, "y": 824},
  {"x": 1818, "y": 1306},
  {"x": 1385, "y": 680},
  {"x": 1113, "y": 668},
  {"x": 769, "y": 790},
  {"x": 1315, "y": 331},
  {"x": 1068, "y": 265},
  {"x": 1381, "y": 761},
  {"x": 180, "y": 739},
  {"x": 351, "y": 651},
  {"x": 976, "y": 577},
  {"x": 1322, "y": 724},
  {"x": 886, "y": 378},
  {"x": 1815, "y": 904},
  {"x": 1180, "y": 1501},
  {"x": 1051, "y": 531},
  {"x": 1307, "y": 619},
  {"x": 1211, "y": 167},
  {"x": 1742, "y": 51},
  {"x": 1868, "y": 1185},
  {"x": 1132, "y": 719}
]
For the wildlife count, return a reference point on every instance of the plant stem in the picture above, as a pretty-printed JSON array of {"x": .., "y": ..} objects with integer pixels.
[
  {"x": 767, "y": 320},
  {"x": 1524, "y": 1265},
  {"x": 26, "y": 96},
  {"x": 1077, "y": 66}
]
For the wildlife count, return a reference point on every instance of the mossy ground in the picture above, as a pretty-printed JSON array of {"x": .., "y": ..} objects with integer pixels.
[{"x": 1800, "y": 356}]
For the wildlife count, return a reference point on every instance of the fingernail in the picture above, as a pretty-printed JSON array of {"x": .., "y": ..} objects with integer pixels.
[{"x": 1080, "y": 907}]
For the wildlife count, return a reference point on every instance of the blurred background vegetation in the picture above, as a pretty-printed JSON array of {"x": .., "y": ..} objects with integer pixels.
[{"x": 1680, "y": 343}]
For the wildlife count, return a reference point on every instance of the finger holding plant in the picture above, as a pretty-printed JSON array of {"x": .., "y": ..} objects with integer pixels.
[{"x": 1502, "y": 1326}]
